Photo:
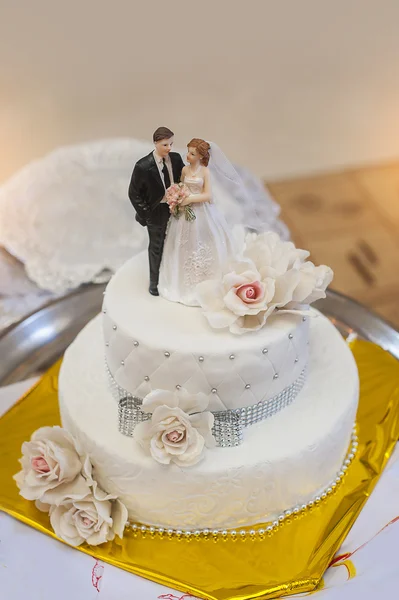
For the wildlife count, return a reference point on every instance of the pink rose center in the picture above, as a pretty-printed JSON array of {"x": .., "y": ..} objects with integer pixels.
[
  {"x": 175, "y": 436},
  {"x": 87, "y": 522},
  {"x": 39, "y": 464},
  {"x": 250, "y": 292}
]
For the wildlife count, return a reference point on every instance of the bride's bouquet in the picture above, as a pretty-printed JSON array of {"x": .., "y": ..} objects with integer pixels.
[{"x": 175, "y": 195}]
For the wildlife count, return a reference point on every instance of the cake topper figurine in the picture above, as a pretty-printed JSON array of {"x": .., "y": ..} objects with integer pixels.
[
  {"x": 152, "y": 176},
  {"x": 198, "y": 242}
]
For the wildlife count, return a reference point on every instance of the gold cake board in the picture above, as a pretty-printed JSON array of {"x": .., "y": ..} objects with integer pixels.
[{"x": 287, "y": 561}]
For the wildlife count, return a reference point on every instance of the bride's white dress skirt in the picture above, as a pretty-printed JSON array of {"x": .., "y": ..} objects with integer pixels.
[{"x": 194, "y": 251}]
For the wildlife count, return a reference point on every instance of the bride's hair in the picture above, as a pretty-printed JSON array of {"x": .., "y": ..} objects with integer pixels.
[{"x": 203, "y": 149}]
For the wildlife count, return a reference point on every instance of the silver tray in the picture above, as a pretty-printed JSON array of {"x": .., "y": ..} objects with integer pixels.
[{"x": 37, "y": 341}]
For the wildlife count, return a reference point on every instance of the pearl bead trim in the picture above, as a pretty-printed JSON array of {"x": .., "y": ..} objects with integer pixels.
[{"x": 254, "y": 533}]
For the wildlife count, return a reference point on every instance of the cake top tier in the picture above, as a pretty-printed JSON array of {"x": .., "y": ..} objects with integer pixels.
[{"x": 169, "y": 325}]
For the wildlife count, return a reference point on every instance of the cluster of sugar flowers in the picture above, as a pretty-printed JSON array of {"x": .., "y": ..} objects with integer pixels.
[
  {"x": 179, "y": 429},
  {"x": 61, "y": 482},
  {"x": 269, "y": 276},
  {"x": 175, "y": 195}
]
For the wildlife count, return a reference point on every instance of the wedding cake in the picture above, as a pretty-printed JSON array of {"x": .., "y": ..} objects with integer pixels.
[
  {"x": 231, "y": 414},
  {"x": 208, "y": 396}
]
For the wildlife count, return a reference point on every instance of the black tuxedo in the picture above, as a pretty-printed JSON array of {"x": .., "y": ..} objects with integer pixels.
[{"x": 146, "y": 191}]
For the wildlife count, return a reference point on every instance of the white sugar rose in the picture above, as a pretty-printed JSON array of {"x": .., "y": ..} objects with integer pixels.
[
  {"x": 89, "y": 520},
  {"x": 271, "y": 275},
  {"x": 174, "y": 433},
  {"x": 312, "y": 284},
  {"x": 51, "y": 467},
  {"x": 241, "y": 300},
  {"x": 272, "y": 256}
]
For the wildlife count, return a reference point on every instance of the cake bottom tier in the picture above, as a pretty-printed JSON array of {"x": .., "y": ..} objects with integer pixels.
[{"x": 283, "y": 462}]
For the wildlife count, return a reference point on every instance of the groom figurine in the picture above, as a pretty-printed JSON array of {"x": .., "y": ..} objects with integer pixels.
[{"x": 152, "y": 175}]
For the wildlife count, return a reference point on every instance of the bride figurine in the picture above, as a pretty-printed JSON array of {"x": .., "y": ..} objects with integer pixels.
[{"x": 197, "y": 249}]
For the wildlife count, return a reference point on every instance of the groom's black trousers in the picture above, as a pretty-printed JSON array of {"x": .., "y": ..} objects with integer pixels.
[{"x": 156, "y": 226}]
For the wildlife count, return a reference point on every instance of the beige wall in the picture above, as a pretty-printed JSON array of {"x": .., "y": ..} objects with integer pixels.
[{"x": 285, "y": 87}]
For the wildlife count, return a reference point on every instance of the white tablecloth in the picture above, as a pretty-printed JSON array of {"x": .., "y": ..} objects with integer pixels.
[{"x": 34, "y": 566}]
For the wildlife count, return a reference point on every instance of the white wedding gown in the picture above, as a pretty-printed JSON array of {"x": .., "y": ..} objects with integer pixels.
[{"x": 194, "y": 250}]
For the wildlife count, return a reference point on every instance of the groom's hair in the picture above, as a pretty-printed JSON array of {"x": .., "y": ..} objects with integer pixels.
[{"x": 162, "y": 133}]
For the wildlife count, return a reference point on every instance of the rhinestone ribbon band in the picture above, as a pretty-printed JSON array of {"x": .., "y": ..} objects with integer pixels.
[{"x": 228, "y": 425}]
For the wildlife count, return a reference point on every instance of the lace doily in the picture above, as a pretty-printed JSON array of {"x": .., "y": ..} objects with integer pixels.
[
  {"x": 67, "y": 216},
  {"x": 18, "y": 295}
]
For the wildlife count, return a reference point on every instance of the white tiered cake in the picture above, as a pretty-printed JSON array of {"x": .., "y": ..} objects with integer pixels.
[{"x": 283, "y": 401}]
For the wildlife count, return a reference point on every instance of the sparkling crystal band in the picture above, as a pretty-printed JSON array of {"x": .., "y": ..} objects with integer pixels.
[{"x": 228, "y": 425}]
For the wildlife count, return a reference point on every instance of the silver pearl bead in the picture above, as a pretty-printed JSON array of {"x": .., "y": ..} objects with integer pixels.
[
  {"x": 187, "y": 534},
  {"x": 329, "y": 490},
  {"x": 288, "y": 513},
  {"x": 178, "y": 387},
  {"x": 143, "y": 528},
  {"x": 303, "y": 318},
  {"x": 233, "y": 533},
  {"x": 275, "y": 376},
  {"x": 104, "y": 311},
  {"x": 247, "y": 386},
  {"x": 122, "y": 363},
  {"x": 290, "y": 336},
  {"x": 275, "y": 524},
  {"x": 135, "y": 344},
  {"x": 281, "y": 518},
  {"x": 197, "y": 533},
  {"x": 107, "y": 344},
  {"x": 152, "y": 530},
  {"x": 170, "y": 532},
  {"x": 252, "y": 532},
  {"x": 215, "y": 531},
  {"x": 179, "y": 532},
  {"x": 214, "y": 391},
  {"x": 296, "y": 360},
  {"x": 114, "y": 327},
  {"x": 296, "y": 510},
  {"x": 205, "y": 531},
  {"x": 269, "y": 529},
  {"x": 243, "y": 533},
  {"x": 265, "y": 351},
  {"x": 323, "y": 496},
  {"x": 262, "y": 531},
  {"x": 303, "y": 507},
  {"x": 347, "y": 462},
  {"x": 161, "y": 530},
  {"x": 201, "y": 358},
  {"x": 311, "y": 503},
  {"x": 167, "y": 354},
  {"x": 224, "y": 533},
  {"x": 231, "y": 357},
  {"x": 146, "y": 378},
  {"x": 134, "y": 526}
]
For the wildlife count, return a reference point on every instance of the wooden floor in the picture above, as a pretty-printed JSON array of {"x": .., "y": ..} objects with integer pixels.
[{"x": 350, "y": 221}]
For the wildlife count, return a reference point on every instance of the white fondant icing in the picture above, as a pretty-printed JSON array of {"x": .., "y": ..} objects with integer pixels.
[
  {"x": 152, "y": 343},
  {"x": 283, "y": 461}
]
